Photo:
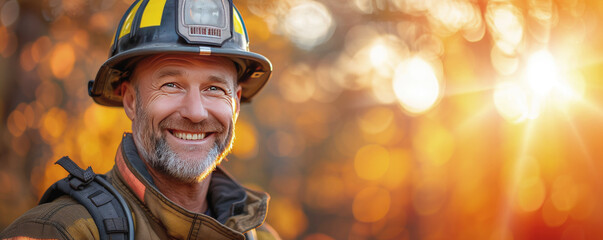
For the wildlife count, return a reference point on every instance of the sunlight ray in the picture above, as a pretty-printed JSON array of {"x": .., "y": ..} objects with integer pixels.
[
  {"x": 583, "y": 148},
  {"x": 511, "y": 191},
  {"x": 469, "y": 123},
  {"x": 591, "y": 107}
]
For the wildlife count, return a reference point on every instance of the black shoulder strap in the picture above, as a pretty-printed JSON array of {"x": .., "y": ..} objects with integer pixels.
[{"x": 107, "y": 207}]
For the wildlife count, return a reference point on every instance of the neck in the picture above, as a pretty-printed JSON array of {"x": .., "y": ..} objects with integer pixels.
[{"x": 190, "y": 196}]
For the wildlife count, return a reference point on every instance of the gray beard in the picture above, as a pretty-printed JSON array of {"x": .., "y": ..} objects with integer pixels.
[
  {"x": 156, "y": 151},
  {"x": 168, "y": 162}
]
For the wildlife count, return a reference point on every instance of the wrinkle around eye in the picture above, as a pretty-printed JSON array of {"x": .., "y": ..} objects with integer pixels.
[{"x": 171, "y": 87}]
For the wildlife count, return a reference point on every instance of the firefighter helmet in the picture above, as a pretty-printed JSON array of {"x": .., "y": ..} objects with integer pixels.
[{"x": 198, "y": 27}]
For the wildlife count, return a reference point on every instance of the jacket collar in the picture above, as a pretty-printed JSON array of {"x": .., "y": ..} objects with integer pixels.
[{"x": 235, "y": 210}]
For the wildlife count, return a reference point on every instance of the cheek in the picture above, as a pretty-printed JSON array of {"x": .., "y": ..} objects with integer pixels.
[
  {"x": 160, "y": 109},
  {"x": 222, "y": 110}
]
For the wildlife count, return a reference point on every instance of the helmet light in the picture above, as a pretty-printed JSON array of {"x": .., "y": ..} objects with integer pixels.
[{"x": 205, "y": 21}]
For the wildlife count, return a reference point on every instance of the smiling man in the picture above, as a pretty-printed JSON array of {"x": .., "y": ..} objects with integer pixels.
[{"x": 180, "y": 69}]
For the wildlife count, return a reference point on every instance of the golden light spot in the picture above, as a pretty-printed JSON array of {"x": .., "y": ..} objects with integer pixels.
[
  {"x": 371, "y": 162},
  {"x": 384, "y": 53},
  {"x": 382, "y": 90},
  {"x": 416, "y": 85},
  {"x": 62, "y": 60},
  {"x": 505, "y": 22},
  {"x": 434, "y": 143},
  {"x": 392, "y": 135},
  {"x": 378, "y": 54},
  {"x": 245, "y": 145},
  {"x": 16, "y": 123},
  {"x": 288, "y": 219},
  {"x": 475, "y": 28},
  {"x": 399, "y": 169},
  {"x": 105, "y": 119},
  {"x": 89, "y": 146},
  {"x": 375, "y": 120},
  {"x": 101, "y": 21},
  {"x": 351, "y": 71},
  {"x": 544, "y": 12},
  {"x": 503, "y": 63},
  {"x": 564, "y": 193},
  {"x": 81, "y": 39},
  {"x": 9, "y": 12},
  {"x": 298, "y": 83},
  {"x": 531, "y": 193},
  {"x": 41, "y": 48},
  {"x": 308, "y": 24},
  {"x": 8, "y": 42},
  {"x": 257, "y": 28},
  {"x": 25, "y": 59},
  {"x": 371, "y": 204},
  {"x": 552, "y": 216},
  {"x": 451, "y": 16},
  {"x": 54, "y": 122}
]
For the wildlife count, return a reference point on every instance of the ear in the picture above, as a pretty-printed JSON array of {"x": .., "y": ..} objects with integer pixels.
[
  {"x": 129, "y": 99},
  {"x": 237, "y": 104}
]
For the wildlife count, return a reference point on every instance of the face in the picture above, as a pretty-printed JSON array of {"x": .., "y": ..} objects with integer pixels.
[{"x": 183, "y": 111}]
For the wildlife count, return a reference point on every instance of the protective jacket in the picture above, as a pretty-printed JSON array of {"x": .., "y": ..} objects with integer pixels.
[{"x": 233, "y": 210}]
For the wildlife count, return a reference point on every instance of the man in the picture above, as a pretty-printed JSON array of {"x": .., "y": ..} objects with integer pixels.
[{"x": 180, "y": 69}]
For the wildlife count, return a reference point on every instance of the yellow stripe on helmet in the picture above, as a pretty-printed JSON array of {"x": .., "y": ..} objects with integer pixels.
[
  {"x": 152, "y": 13},
  {"x": 236, "y": 21},
  {"x": 125, "y": 29}
]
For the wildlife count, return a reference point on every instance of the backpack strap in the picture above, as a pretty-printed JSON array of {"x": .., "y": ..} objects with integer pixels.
[{"x": 107, "y": 207}]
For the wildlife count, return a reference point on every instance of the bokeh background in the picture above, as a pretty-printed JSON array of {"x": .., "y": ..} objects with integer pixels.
[{"x": 384, "y": 119}]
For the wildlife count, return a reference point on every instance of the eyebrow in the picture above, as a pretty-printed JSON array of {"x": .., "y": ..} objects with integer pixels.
[
  {"x": 222, "y": 80},
  {"x": 169, "y": 72}
]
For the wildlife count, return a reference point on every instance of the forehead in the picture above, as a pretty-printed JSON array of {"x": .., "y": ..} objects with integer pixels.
[{"x": 215, "y": 65}]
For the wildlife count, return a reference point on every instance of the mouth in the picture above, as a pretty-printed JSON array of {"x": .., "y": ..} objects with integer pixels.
[{"x": 189, "y": 135}]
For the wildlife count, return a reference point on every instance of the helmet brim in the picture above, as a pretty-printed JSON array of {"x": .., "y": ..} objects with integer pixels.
[{"x": 254, "y": 70}]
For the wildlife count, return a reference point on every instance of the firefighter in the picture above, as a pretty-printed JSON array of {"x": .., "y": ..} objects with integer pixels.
[{"x": 180, "y": 69}]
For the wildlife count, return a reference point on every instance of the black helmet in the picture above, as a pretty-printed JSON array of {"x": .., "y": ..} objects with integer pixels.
[{"x": 196, "y": 27}]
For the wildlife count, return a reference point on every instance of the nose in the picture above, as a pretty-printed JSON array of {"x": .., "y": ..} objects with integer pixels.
[{"x": 193, "y": 107}]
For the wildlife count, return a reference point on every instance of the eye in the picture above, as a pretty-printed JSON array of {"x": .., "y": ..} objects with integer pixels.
[
  {"x": 214, "y": 88},
  {"x": 170, "y": 85}
]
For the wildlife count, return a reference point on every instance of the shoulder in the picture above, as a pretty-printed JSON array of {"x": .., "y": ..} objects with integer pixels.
[
  {"x": 266, "y": 232},
  {"x": 64, "y": 218}
]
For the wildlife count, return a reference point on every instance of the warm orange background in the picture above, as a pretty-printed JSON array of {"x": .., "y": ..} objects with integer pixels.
[{"x": 384, "y": 119}]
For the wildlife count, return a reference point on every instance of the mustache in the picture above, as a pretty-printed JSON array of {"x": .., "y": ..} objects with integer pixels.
[{"x": 178, "y": 123}]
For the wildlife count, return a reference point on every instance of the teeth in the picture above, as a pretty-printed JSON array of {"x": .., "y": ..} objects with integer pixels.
[{"x": 189, "y": 136}]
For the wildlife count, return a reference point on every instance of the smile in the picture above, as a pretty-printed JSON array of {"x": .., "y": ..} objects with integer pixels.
[{"x": 188, "y": 136}]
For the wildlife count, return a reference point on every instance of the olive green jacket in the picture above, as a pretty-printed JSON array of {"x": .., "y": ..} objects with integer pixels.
[{"x": 233, "y": 210}]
